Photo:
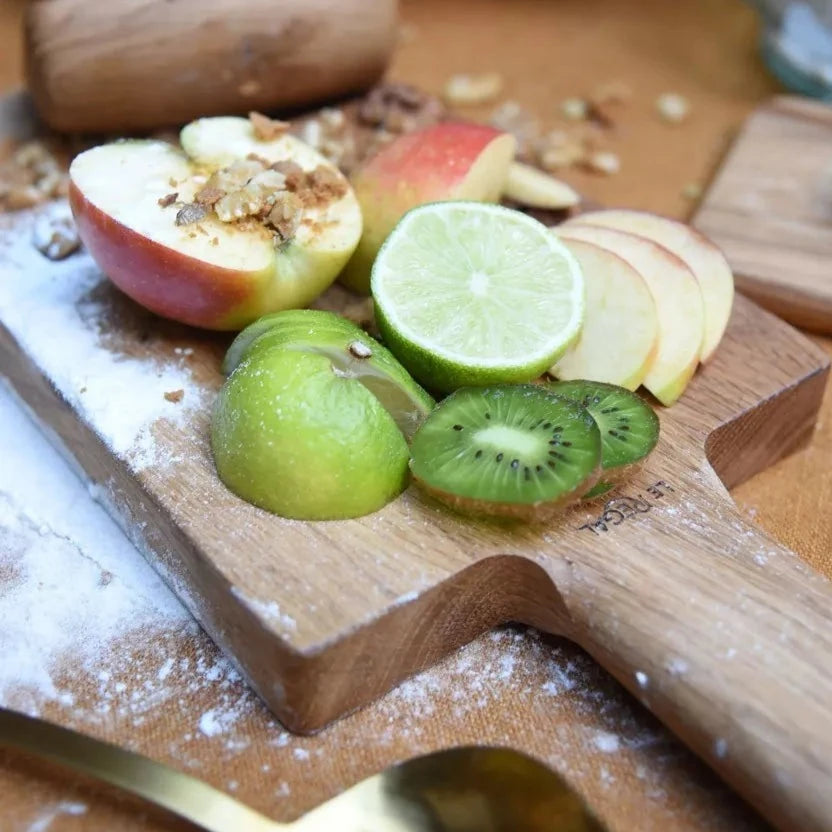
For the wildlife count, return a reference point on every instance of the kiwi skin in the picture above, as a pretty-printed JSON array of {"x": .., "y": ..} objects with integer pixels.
[
  {"x": 529, "y": 512},
  {"x": 539, "y": 512}
]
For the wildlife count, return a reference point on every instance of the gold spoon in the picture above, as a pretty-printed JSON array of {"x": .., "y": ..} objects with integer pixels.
[{"x": 472, "y": 789}]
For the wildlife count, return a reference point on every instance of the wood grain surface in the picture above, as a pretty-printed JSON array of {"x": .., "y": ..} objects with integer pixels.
[
  {"x": 140, "y": 64},
  {"x": 770, "y": 209},
  {"x": 664, "y": 584}
]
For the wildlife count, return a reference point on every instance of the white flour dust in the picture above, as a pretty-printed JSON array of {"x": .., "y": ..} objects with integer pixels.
[{"x": 48, "y": 308}]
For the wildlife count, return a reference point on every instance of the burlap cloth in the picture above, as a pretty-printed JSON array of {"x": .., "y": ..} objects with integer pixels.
[{"x": 538, "y": 695}]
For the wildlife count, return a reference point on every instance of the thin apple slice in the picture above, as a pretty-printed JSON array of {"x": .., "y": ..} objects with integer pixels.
[
  {"x": 448, "y": 161},
  {"x": 678, "y": 302},
  {"x": 702, "y": 256},
  {"x": 619, "y": 337},
  {"x": 212, "y": 274},
  {"x": 537, "y": 189}
]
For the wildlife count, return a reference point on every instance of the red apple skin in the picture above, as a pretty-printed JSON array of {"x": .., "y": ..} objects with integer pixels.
[
  {"x": 163, "y": 280},
  {"x": 451, "y": 160}
]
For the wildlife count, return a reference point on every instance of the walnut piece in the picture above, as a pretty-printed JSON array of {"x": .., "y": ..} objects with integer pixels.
[
  {"x": 174, "y": 396},
  {"x": 265, "y": 128},
  {"x": 399, "y": 108},
  {"x": 464, "y": 89},
  {"x": 30, "y": 177},
  {"x": 285, "y": 216},
  {"x": 55, "y": 236},
  {"x": 168, "y": 199}
]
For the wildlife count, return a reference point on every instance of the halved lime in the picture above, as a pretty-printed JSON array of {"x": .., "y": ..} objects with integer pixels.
[{"x": 474, "y": 294}]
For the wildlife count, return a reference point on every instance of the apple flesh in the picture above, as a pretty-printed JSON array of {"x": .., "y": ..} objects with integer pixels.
[
  {"x": 211, "y": 274},
  {"x": 701, "y": 256},
  {"x": 537, "y": 189},
  {"x": 447, "y": 161},
  {"x": 619, "y": 336},
  {"x": 677, "y": 298}
]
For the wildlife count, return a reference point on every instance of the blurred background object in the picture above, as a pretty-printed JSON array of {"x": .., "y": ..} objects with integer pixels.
[
  {"x": 122, "y": 66},
  {"x": 796, "y": 44}
]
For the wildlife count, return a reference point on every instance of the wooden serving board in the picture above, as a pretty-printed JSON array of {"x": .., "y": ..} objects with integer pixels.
[
  {"x": 723, "y": 633},
  {"x": 770, "y": 209}
]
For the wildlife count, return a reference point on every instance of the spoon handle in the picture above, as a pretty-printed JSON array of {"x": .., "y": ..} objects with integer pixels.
[{"x": 179, "y": 793}]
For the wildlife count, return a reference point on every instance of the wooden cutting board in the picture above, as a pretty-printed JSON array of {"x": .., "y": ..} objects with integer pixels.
[
  {"x": 770, "y": 209},
  {"x": 724, "y": 634}
]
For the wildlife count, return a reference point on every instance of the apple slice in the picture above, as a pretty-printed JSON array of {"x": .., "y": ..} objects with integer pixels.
[
  {"x": 678, "y": 304},
  {"x": 211, "y": 273},
  {"x": 620, "y": 333},
  {"x": 702, "y": 256},
  {"x": 446, "y": 161},
  {"x": 537, "y": 189}
]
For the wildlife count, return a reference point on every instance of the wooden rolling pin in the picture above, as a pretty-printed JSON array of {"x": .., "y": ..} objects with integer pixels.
[{"x": 132, "y": 65}]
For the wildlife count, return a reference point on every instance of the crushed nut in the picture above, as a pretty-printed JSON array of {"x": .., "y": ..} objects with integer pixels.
[
  {"x": 285, "y": 216},
  {"x": 672, "y": 107},
  {"x": 332, "y": 118},
  {"x": 511, "y": 117},
  {"x": 167, "y": 200},
  {"x": 30, "y": 177},
  {"x": 399, "y": 108},
  {"x": 293, "y": 174},
  {"x": 174, "y": 396},
  {"x": 605, "y": 100},
  {"x": 209, "y": 195},
  {"x": 603, "y": 161},
  {"x": 265, "y": 128},
  {"x": 323, "y": 185},
  {"x": 191, "y": 213},
  {"x": 559, "y": 149},
  {"x": 463, "y": 89},
  {"x": 574, "y": 109},
  {"x": 55, "y": 236}
]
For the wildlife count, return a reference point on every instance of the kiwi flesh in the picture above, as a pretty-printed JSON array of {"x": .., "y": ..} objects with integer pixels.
[
  {"x": 629, "y": 426},
  {"x": 515, "y": 450}
]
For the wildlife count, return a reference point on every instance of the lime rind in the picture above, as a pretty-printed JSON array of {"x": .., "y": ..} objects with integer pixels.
[{"x": 469, "y": 293}]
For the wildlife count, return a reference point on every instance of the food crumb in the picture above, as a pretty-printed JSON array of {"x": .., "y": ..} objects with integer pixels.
[
  {"x": 692, "y": 191},
  {"x": 672, "y": 107},
  {"x": 574, "y": 109},
  {"x": 168, "y": 199},
  {"x": 467, "y": 89},
  {"x": 55, "y": 237},
  {"x": 603, "y": 161},
  {"x": 265, "y": 128},
  {"x": 174, "y": 396}
]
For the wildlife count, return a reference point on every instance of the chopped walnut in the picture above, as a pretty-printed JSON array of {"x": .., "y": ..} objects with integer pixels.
[
  {"x": 285, "y": 216},
  {"x": 462, "y": 90},
  {"x": 265, "y": 128},
  {"x": 560, "y": 149},
  {"x": 399, "y": 108},
  {"x": 168, "y": 199},
  {"x": 209, "y": 195},
  {"x": 31, "y": 176},
  {"x": 235, "y": 175},
  {"x": 174, "y": 396},
  {"x": 191, "y": 213},
  {"x": 323, "y": 185},
  {"x": 55, "y": 236},
  {"x": 254, "y": 198},
  {"x": 292, "y": 173}
]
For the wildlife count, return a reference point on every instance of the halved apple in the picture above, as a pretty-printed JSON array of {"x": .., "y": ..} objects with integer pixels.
[
  {"x": 131, "y": 201},
  {"x": 620, "y": 333},
  {"x": 702, "y": 256},
  {"x": 447, "y": 161},
  {"x": 678, "y": 304}
]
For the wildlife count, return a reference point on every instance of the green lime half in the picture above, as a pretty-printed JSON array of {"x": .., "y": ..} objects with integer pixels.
[{"x": 474, "y": 294}]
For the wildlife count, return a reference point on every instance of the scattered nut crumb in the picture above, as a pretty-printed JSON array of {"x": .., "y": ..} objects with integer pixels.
[
  {"x": 464, "y": 89},
  {"x": 55, "y": 236},
  {"x": 559, "y": 149},
  {"x": 168, "y": 199},
  {"x": 215, "y": 241},
  {"x": 672, "y": 107},
  {"x": 265, "y": 128},
  {"x": 606, "y": 99},
  {"x": 603, "y": 161},
  {"x": 175, "y": 396},
  {"x": 399, "y": 108},
  {"x": 191, "y": 213},
  {"x": 285, "y": 216},
  {"x": 512, "y": 117},
  {"x": 209, "y": 195},
  {"x": 692, "y": 191},
  {"x": 574, "y": 109},
  {"x": 30, "y": 177},
  {"x": 172, "y": 182}
]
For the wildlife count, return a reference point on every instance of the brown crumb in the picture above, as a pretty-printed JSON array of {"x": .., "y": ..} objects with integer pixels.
[
  {"x": 168, "y": 199},
  {"x": 399, "y": 108},
  {"x": 209, "y": 195},
  {"x": 323, "y": 185},
  {"x": 174, "y": 396},
  {"x": 191, "y": 213},
  {"x": 293, "y": 173},
  {"x": 30, "y": 177},
  {"x": 172, "y": 182},
  {"x": 265, "y": 128},
  {"x": 285, "y": 216},
  {"x": 215, "y": 241}
]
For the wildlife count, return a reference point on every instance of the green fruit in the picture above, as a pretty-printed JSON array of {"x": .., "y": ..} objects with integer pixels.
[
  {"x": 294, "y": 437},
  {"x": 352, "y": 353},
  {"x": 514, "y": 451},
  {"x": 468, "y": 293},
  {"x": 629, "y": 426}
]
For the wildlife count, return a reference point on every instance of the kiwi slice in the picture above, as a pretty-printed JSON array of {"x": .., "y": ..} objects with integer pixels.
[
  {"x": 629, "y": 426},
  {"x": 514, "y": 450}
]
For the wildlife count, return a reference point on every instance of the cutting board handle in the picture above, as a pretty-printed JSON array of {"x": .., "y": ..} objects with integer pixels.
[{"x": 724, "y": 634}]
